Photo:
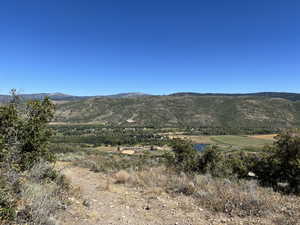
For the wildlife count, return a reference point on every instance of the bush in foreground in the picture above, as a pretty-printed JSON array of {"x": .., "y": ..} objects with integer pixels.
[
  {"x": 280, "y": 163},
  {"x": 28, "y": 182},
  {"x": 277, "y": 164}
]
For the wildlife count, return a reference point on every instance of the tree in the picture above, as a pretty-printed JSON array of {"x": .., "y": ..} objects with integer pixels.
[
  {"x": 281, "y": 163},
  {"x": 24, "y": 132},
  {"x": 185, "y": 156},
  {"x": 287, "y": 158}
]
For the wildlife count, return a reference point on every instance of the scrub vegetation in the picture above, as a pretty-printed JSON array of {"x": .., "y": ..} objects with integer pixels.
[{"x": 31, "y": 191}]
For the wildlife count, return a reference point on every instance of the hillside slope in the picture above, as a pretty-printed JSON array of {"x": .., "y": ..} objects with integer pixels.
[{"x": 182, "y": 110}]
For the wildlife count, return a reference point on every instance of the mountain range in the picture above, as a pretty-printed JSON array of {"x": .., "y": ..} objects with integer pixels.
[
  {"x": 57, "y": 96},
  {"x": 65, "y": 97},
  {"x": 265, "y": 109}
]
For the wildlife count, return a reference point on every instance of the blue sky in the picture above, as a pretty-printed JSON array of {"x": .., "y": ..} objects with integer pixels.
[{"x": 90, "y": 47}]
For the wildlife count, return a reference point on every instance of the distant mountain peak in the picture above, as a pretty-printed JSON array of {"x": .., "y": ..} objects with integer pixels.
[
  {"x": 127, "y": 95},
  {"x": 58, "y": 94}
]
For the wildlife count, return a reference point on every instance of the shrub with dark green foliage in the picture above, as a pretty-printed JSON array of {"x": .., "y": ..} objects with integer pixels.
[
  {"x": 185, "y": 157},
  {"x": 36, "y": 134},
  {"x": 24, "y": 138},
  {"x": 281, "y": 163},
  {"x": 241, "y": 163},
  {"x": 7, "y": 202},
  {"x": 277, "y": 166},
  {"x": 25, "y": 133},
  {"x": 210, "y": 161}
]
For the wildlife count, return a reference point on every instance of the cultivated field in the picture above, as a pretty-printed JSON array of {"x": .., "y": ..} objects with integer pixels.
[
  {"x": 241, "y": 141},
  {"x": 256, "y": 141}
]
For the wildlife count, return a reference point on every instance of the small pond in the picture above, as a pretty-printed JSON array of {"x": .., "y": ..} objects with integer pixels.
[{"x": 200, "y": 147}]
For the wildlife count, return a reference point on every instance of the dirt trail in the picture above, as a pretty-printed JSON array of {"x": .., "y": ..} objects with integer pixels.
[{"x": 95, "y": 204}]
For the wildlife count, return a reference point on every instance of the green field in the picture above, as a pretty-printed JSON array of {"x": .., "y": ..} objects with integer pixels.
[
  {"x": 229, "y": 142},
  {"x": 240, "y": 141}
]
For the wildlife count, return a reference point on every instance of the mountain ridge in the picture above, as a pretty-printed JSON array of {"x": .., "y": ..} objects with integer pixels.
[
  {"x": 57, "y": 96},
  {"x": 263, "y": 109},
  {"x": 183, "y": 110},
  {"x": 62, "y": 96}
]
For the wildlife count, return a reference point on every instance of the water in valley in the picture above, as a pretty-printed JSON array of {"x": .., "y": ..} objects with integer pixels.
[{"x": 200, "y": 147}]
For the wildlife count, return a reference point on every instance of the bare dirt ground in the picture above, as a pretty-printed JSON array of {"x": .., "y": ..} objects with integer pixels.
[
  {"x": 265, "y": 136},
  {"x": 98, "y": 200}
]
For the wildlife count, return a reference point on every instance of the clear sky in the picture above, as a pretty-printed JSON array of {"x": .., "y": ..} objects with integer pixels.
[{"x": 95, "y": 47}]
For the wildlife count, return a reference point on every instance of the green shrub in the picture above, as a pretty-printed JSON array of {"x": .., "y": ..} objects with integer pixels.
[
  {"x": 277, "y": 164},
  {"x": 7, "y": 206},
  {"x": 64, "y": 148},
  {"x": 25, "y": 133},
  {"x": 185, "y": 157},
  {"x": 281, "y": 163},
  {"x": 212, "y": 161},
  {"x": 7, "y": 201},
  {"x": 241, "y": 163},
  {"x": 24, "y": 139}
]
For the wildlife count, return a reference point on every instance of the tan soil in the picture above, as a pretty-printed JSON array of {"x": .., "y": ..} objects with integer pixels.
[
  {"x": 265, "y": 137},
  {"x": 128, "y": 152}
]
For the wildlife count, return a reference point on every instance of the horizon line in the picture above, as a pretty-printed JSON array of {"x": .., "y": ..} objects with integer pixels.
[{"x": 144, "y": 93}]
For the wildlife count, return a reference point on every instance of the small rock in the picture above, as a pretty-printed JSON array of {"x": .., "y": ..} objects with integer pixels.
[
  {"x": 87, "y": 203},
  {"x": 251, "y": 174}
]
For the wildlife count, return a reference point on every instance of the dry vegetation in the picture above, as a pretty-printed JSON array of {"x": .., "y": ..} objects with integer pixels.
[
  {"x": 234, "y": 199},
  {"x": 221, "y": 200},
  {"x": 39, "y": 193},
  {"x": 31, "y": 191},
  {"x": 121, "y": 177}
]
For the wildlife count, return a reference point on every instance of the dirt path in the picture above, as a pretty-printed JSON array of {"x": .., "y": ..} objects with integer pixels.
[{"x": 96, "y": 204}]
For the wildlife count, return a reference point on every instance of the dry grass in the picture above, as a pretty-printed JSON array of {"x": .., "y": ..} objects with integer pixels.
[
  {"x": 70, "y": 157},
  {"x": 121, "y": 177},
  {"x": 241, "y": 199},
  {"x": 149, "y": 179},
  {"x": 43, "y": 191},
  {"x": 108, "y": 185},
  {"x": 106, "y": 148},
  {"x": 232, "y": 198},
  {"x": 41, "y": 203}
]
